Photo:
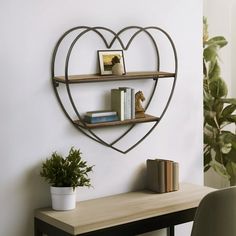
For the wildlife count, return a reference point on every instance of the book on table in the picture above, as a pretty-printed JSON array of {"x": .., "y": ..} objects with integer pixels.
[{"x": 162, "y": 175}]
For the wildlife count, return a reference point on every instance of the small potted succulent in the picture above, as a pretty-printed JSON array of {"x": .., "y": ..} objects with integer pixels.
[{"x": 64, "y": 175}]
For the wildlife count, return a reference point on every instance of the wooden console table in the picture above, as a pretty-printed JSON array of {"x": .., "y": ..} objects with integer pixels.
[{"x": 123, "y": 214}]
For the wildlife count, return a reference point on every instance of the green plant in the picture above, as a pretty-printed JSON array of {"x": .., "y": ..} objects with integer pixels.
[
  {"x": 219, "y": 117},
  {"x": 70, "y": 171}
]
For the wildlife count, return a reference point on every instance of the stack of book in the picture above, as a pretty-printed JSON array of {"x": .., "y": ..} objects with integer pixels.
[
  {"x": 123, "y": 102},
  {"x": 100, "y": 116},
  {"x": 162, "y": 175}
]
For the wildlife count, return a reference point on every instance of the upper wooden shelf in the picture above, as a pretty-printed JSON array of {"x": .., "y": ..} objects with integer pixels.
[{"x": 103, "y": 78}]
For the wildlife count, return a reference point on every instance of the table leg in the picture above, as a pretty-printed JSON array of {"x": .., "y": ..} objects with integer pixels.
[
  {"x": 171, "y": 231},
  {"x": 37, "y": 231}
]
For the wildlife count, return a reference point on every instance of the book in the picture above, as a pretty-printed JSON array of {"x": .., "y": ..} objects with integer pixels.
[
  {"x": 152, "y": 175},
  {"x": 169, "y": 175},
  {"x": 175, "y": 176},
  {"x": 156, "y": 175},
  {"x": 132, "y": 103},
  {"x": 162, "y": 175},
  {"x": 117, "y": 102},
  {"x": 100, "y": 119},
  {"x": 99, "y": 113},
  {"x": 127, "y": 102}
]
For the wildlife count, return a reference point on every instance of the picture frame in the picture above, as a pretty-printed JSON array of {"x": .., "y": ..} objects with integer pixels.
[{"x": 106, "y": 60}]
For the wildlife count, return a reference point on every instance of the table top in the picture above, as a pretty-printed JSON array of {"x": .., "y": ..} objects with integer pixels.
[{"x": 123, "y": 208}]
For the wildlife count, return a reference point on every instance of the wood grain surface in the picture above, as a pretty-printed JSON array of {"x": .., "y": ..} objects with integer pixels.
[{"x": 123, "y": 208}]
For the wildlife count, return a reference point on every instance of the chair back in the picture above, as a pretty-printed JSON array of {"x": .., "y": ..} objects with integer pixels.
[{"x": 216, "y": 214}]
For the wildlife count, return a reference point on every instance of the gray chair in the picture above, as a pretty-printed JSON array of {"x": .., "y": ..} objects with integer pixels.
[{"x": 216, "y": 214}]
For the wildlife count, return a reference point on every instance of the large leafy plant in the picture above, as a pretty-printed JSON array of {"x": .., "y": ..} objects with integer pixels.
[
  {"x": 219, "y": 117},
  {"x": 70, "y": 171}
]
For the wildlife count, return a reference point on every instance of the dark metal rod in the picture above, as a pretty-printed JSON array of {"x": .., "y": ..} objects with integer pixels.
[{"x": 171, "y": 231}]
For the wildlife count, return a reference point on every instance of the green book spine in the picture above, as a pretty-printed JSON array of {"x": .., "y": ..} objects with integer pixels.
[
  {"x": 117, "y": 102},
  {"x": 152, "y": 175}
]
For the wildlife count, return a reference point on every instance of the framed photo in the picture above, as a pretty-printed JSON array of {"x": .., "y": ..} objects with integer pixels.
[{"x": 108, "y": 58}]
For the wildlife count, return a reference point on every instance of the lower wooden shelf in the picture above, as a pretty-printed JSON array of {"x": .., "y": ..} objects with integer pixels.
[{"x": 147, "y": 118}]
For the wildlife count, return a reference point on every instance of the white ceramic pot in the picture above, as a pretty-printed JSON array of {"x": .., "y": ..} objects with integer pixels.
[
  {"x": 63, "y": 198},
  {"x": 117, "y": 69}
]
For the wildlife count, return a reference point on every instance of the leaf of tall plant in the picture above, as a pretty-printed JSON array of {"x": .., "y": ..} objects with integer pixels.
[
  {"x": 228, "y": 110},
  {"x": 219, "y": 41},
  {"x": 214, "y": 71},
  {"x": 231, "y": 168},
  {"x": 231, "y": 118},
  {"x": 229, "y": 100},
  {"x": 218, "y": 88},
  {"x": 220, "y": 169},
  {"x": 210, "y": 53}
]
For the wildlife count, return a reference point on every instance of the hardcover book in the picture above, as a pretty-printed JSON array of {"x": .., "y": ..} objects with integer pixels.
[
  {"x": 127, "y": 102},
  {"x": 175, "y": 176},
  {"x": 117, "y": 102},
  {"x": 100, "y": 119},
  {"x": 162, "y": 175},
  {"x": 99, "y": 113},
  {"x": 169, "y": 175}
]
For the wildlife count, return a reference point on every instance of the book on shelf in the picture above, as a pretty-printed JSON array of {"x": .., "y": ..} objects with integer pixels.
[
  {"x": 129, "y": 102},
  {"x": 99, "y": 113},
  {"x": 117, "y": 102},
  {"x": 162, "y": 175},
  {"x": 123, "y": 101},
  {"x": 100, "y": 119}
]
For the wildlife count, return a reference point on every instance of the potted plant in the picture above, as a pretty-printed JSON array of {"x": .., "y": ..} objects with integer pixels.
[
  {"x": 219, "y": 113},
  {"x": 64, "y": 175}
]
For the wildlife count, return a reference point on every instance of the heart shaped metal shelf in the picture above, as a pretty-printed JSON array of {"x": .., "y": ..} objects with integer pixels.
[{"x": 68, "y": 80}]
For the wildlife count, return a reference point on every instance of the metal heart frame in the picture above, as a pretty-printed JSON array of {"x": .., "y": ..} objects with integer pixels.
[{"x": 116, "y": 37}]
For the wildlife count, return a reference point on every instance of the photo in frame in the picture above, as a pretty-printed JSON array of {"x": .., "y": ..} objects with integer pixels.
[{"x": 108, "y": 58}]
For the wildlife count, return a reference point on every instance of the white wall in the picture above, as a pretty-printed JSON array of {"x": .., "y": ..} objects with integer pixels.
[
  {"x": 33, "y": 126},
  {"x": 222, "y": 24}
]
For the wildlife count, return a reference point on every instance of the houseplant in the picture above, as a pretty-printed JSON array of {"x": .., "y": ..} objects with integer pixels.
[
  {"x": 64, "y": 175},
  {"x": 219, "y": 116}
]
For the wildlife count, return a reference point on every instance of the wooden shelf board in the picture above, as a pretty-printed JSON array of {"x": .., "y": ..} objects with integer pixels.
[
  {"x": 103, "y": 78},
  {"x": 147, "y": 118}
]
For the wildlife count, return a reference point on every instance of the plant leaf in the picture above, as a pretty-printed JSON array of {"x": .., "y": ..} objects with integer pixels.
[
  {"x": 220, "y": 169},
  {"x": 231, "y": 118},
  {"x": 218, "y": 88},
  {"x": 228, "y": 110},
  {"x": 210, "y": 53},
  {"x": 218, "y": 41},
  {"x": 214, "y": 71},
  {"x": 229, "y": 100},
  {"x": 231, "y": 168}
]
